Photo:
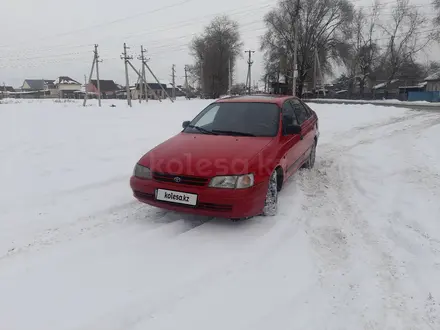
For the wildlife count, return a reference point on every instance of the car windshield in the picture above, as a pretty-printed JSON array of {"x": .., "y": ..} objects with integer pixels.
[{"x": 238, "y": 119}]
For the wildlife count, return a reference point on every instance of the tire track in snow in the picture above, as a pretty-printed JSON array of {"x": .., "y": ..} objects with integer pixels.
[
  {"x": 131, "y": 213},
  {"x": 350, "y": 231},
  {"x": 259, "y": 248},
  {"x": 390, "y": 270},
  {"x": 408, "y": 116}
]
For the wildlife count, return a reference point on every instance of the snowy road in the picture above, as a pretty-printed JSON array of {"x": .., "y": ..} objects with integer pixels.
[{"x": 356, "y": 243}]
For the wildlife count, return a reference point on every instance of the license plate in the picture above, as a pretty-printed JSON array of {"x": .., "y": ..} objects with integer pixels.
[{"x": 176, "y": 197}]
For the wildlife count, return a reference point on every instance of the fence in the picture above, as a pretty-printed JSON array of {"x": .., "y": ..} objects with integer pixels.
[{"x": 424, "y": 96}]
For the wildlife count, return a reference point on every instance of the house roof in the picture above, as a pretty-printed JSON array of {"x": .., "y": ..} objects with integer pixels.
[
  {"x": 6, "y": 89},
  {"x": 433, "y": 77},
  {"x": 105, "y": 85},
  {"x": 66, "y": 80},
  {"x": 39, "y": 84},
  {"x": 382, "y": 85},
  {"x": 421, "y": 85}
]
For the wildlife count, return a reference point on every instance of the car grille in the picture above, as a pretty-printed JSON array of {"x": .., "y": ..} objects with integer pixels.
[
  {"x": 200, "y": 206},
  {"x": 183, "y": 179}
]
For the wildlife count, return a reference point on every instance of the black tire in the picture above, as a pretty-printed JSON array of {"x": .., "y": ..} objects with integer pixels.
[
  {"x": 271, "y": 203},
  {"x": 310, "y": 163}
]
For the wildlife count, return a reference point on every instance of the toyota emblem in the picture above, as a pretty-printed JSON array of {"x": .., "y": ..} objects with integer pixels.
[{"x": 177, "y": 179}]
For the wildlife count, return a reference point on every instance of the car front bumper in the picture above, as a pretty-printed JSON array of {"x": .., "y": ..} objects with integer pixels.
[{"x": 216, "y": 202}]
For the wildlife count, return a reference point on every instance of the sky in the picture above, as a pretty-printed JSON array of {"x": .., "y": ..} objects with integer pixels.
[{"x": 46, "y": 39}]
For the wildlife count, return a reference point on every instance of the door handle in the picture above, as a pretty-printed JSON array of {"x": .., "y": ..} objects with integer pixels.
[{"x": 302, "y": 137}]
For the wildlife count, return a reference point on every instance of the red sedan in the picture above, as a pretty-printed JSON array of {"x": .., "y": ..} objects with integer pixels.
[{"x": 232, "y": 159}]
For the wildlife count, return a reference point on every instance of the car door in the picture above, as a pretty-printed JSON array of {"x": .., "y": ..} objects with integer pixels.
[
  {"x": 304, "y": 117},
  {"x": 289, "y": 142}
]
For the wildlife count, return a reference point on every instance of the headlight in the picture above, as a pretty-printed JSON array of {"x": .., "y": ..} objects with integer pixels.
[
  {"x": 231, "y": 182},
  {"x": 142, "y": 172}
]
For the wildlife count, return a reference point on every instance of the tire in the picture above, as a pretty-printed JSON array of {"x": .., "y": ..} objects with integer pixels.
[
  {"x": 310, "y": 163},
  {"x": 271, "y": 202}
]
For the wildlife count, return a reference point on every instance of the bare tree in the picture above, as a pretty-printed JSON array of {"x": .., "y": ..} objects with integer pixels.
[
  {"x": 436, "y": 5},
  {"x": 323, "y": 27},
  {"x": 212, "y": 50},
  {"x": 363, "y": 48},
  {"x": 407, "y": 36}
]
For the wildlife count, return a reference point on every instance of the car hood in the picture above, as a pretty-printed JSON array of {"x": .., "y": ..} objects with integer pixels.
[{"x": 205, "y": 155}]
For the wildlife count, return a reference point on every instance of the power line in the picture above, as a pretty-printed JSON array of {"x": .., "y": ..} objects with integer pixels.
[
  {"x": 188, "y": 22},
  {"x": 111, "y": 22}
]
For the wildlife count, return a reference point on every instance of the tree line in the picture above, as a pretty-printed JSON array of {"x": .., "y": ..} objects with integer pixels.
[{"x": 381, "y": 42}]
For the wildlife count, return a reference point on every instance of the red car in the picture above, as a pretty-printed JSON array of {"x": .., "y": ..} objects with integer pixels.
[{"x": 232, "y": 159}]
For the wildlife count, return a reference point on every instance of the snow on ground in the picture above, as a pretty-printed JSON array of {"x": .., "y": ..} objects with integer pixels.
[{"x": 356, "y": 243}]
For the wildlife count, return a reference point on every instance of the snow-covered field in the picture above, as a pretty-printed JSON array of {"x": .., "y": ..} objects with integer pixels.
[{"x": 356, "y": 243}]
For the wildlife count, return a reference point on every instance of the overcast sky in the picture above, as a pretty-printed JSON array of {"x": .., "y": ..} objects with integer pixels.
[{"x": 51, "y": 38}]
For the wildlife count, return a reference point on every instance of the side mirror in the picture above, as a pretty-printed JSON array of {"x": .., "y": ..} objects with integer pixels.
[
  {"x": 186, "y": 123},
  {"x": 293, "y": 129}
]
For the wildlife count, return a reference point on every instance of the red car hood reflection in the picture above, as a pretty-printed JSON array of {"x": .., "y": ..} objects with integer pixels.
[{"x": 205, "y": 155}]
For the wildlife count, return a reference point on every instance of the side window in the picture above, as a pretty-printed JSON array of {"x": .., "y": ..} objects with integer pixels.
[
  {"x": 300, "y": 111},
  {"x": 309, "y": 112},
  {"x": 289, "y": 116}
]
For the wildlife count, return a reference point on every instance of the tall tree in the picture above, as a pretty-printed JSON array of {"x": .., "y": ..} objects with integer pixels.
[
  {"x": 323, "y": 27},
  {"x": 212, "y": 50},
  {"x": 364, "y": 50},
  {"x": 436, "y": 4},
  {"x": 407, "y": 35}
]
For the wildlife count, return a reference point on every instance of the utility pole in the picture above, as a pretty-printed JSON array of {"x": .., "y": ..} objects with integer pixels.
[
  {"x": 249, "y": 74},
  {"x": 144, "y": 62},
  {"x": 144, "y": 85},
  {"x": 126, "y": 58},
  {"x": 173, "y": 77},
  {"x": 186, "y": 78},
  {"x": 315, "y": 68},
  {"x": 230, "y": 76},
  {"x": 202, "y": 84},
  {"x": 295, "y": 50},
  {"x": 90, "y": 78},
  {"x": 320, "y": 71},
  {"x": 97, "y": 60}
]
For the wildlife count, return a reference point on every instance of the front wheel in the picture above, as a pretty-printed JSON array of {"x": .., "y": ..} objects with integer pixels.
[{"x": 271, "y": 202}]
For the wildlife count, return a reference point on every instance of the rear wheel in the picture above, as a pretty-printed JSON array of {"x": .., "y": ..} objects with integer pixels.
[
  {"x": 311, "y": 160},
  {"x": 271, "y": 202}
]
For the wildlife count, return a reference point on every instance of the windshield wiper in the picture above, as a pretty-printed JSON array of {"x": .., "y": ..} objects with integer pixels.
[
  {"x": 201, "y": 129},
  {"x": 233, "y": 132}
]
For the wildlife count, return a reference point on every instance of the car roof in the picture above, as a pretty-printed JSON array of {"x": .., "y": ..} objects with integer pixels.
[{"x": 259, "y": 98}]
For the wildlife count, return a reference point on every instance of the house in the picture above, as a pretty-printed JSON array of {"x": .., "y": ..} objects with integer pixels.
[
  {"x": 433, "y": 82},
  {"x": 67, "y": 87},
  {"x": 38, "y": 87},
  {"x": 33, "y": 85},
  {"x": 155, "y": 91},
  {"x": 5, "y": 91},
  {"x": 386, "y": 90},
  {"x": 108, "y": 88}
]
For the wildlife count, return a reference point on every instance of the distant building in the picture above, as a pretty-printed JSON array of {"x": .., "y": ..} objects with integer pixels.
[
  {"x": 36, "y": 88},
  {"x": 67, "y": 87},
  {"x": 108, "y": 88},
  {"x": 433, "y": 82},
  {"x": 155, "y": 91},
  {"x": 34, "y": 85}
]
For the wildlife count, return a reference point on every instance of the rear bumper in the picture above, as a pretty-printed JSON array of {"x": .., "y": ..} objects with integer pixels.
[{"x": 225, "y": 203}]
